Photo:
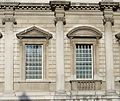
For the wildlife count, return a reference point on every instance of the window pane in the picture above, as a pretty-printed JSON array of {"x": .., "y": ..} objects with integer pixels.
[
  {"x": 84, "y": 61},
  {"x": 33, "y": 61}
]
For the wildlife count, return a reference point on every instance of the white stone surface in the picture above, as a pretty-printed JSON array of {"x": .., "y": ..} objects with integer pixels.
[
  {"x": 60, "y": 56},
  {"x": 8, "y": 58}
]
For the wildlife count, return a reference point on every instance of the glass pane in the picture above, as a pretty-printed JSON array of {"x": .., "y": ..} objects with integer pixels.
[
  {"x": 33, "y": 61},
  {"x": 84, "y": 61}
]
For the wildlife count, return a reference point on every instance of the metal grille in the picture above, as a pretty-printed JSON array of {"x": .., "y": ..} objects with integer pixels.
[
  {"x": 34, "y": 62},
  {"x": 84, "y": 61}
]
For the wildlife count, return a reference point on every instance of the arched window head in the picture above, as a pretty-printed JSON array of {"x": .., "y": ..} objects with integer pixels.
[{"x": 84, "y": 32}]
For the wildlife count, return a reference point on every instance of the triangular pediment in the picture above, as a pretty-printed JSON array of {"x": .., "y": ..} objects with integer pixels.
[
  {"x": 84, "y": 32},
  {"x": 34, "y": 32}
]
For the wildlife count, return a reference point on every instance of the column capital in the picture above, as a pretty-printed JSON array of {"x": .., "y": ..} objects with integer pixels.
[
  {"x": 60, "y": 19},
  {"x": 108, "y": 17},
  {"x": 9, "y": 19},
  {"x": 60, "y": 16}
]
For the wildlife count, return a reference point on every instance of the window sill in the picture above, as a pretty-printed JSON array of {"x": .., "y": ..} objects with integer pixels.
[{"x": 35, "y": 81}]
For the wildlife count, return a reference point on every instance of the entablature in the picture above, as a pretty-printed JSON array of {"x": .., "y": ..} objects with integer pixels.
[
  {"x": 68, "y": 5},
  {"x": 109, "y": 5}
]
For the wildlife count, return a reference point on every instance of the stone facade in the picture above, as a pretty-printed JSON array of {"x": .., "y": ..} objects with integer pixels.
[{"x": 59, "y": 25}]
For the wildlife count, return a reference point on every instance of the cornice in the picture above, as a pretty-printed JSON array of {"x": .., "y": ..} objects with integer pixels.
[
  {"x": 24, "y": 6},
  {"x": 67, "y": 5},
  {"x": 109, "y": 5},
  {"x": 60, "y": 4},
  {"x": 84, "y": 6}
]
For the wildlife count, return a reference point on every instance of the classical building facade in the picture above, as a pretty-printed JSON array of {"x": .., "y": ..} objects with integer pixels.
[{"x": 60, "y": 51}]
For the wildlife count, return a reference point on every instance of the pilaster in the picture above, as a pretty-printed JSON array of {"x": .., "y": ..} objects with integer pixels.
[
  {"x": 59, "y": 8},
  {"x": 8, "y": 22},
  {"x": 108, "y": 7}
]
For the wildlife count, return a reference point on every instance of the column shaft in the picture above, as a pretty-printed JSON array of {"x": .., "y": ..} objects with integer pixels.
[
  {"x": 109, "y": 56},
  {"x": 8, "y": 58},
  {"x": 60, "y": 56}
]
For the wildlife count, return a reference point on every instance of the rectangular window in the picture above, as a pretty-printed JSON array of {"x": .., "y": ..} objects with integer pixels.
[
  {"x": 34, "y": 61},
  {"x": 84, "y": 61}
]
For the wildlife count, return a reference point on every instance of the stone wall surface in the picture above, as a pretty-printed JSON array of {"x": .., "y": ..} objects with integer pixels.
[{"x": 43, "y": 17}]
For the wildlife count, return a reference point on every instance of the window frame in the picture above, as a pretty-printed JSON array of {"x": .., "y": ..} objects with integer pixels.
[
  {"x": 41, "y": 61},
  {"x": 91, "y": 62},
  {"x": 73, "y": 48},
  {"x": 23, "y": 57}
]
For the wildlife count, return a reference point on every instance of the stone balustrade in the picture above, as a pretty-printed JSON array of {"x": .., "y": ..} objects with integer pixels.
[{"x": 85, "y": 85}]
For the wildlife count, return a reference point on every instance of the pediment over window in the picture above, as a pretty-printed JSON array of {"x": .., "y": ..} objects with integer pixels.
[
  {"x": 34, "y": 32},
  {"x": 84, "y": 32}
]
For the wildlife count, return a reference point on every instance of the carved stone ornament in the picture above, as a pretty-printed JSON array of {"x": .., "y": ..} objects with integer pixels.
[
  {"x": 34, "y": 33},
  {"x": 108, "y": 19},
  {"x": 60, "y": 19},
  {"x": 9, "y": 19}
]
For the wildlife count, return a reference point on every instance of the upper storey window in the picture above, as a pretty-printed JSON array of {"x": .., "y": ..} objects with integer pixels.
[
  {"x": 83, "y": 41},
  {"x": 84, "y": 61},
  {"x": 33, "y": 43}
]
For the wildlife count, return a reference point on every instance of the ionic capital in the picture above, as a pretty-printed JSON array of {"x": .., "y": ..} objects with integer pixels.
[
  {"x": 108, "y": 16},
  {"x": 60, "y": 19},
  {"x": 108, "y": 19},
  {"x": 9, "y": 19}
]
